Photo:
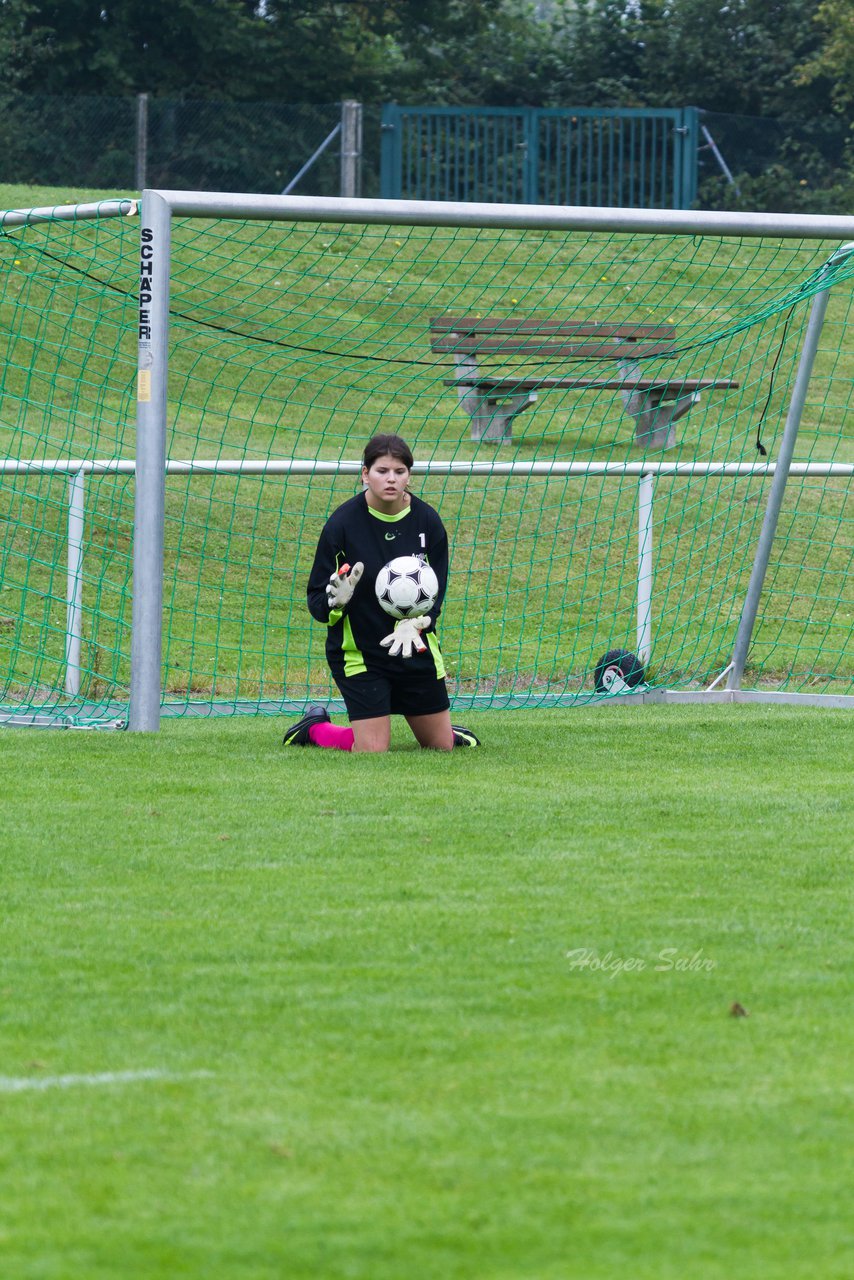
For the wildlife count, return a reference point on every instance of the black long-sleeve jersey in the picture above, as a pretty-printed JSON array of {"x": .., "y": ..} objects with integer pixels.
[{"x": 357, "y": 532}]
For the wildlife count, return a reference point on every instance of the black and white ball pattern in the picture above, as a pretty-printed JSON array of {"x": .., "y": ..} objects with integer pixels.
[{"x": 407, "y": 587}]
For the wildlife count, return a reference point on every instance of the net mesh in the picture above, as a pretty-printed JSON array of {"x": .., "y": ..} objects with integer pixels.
[{"x": 301, "y": 341}]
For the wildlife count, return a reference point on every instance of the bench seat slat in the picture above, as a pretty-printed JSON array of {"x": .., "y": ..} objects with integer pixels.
[
  {"x": 470, "y": 327},
  {"x": 591, "y": 349},
  {"x": 509, "y": 384}
]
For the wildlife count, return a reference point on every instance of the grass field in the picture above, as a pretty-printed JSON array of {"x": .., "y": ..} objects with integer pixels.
[
  {"x": 296, "y": 1015},
  {"x": 419, "y": 1016}
]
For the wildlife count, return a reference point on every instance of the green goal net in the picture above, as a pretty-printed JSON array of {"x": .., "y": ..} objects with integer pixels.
[{"x": 586, "y": 514}]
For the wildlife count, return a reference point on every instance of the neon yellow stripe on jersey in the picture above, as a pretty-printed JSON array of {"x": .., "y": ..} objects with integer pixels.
[
  {"x": 433, "y": 643},
  {"x": 382, "y": 515},
  {"x": 354, "y": 662}
]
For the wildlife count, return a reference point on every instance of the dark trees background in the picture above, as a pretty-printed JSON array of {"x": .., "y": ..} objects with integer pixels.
[{"x": 786, "y": 63}]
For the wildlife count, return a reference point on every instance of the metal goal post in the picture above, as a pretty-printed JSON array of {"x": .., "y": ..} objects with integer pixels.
[{"x": 159, "y": 207}]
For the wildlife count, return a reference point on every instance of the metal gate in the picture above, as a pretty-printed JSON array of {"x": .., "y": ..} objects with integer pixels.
[{"x": 620, "y": 158}]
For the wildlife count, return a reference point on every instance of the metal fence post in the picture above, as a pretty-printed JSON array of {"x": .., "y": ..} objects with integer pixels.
[
  {"x": 531, "y": 154},
  {"x": 390, "y": 153},
  {"x": 351, "y": 149},
  {"x": 141, "y": 141},
  {"x": 686, "y": 158}
]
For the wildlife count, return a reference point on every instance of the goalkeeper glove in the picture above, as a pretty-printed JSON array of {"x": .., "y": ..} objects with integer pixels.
[
  {"x": 406, "y": 637},
  {"x": 341, "y": 585}
]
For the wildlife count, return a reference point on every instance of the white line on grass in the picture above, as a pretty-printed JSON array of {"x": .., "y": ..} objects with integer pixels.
[{"x": 20, "y": 1084}]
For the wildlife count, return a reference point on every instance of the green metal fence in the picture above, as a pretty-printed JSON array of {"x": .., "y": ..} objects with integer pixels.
[
  {"x": 643, "y": 158},
  {"x": 620, "y": 158}
]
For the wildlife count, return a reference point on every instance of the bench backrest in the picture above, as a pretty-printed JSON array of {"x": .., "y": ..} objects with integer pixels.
[{"x": 545, "y": 338}]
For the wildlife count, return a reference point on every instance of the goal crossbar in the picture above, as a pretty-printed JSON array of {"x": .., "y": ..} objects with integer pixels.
[{"x": 321, "y": 467}]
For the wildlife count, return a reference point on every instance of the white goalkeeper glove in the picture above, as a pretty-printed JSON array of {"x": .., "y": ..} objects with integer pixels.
[
  {"x": 342, "y": 583},
  {"x": 406, "y": 637}
]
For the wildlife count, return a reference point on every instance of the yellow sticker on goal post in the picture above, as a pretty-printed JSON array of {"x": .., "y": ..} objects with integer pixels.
[{"x": 143, "y": 386}]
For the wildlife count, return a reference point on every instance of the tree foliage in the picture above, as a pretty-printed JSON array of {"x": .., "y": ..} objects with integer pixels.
[
  {"x": 834, "y": 59},
  {"x": 758, "y": 57},
  {"x": 741, "y": 57},
  {"x": 201, "y": 48}
]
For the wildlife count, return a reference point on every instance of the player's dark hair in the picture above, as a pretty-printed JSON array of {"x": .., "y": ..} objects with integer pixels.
[{"x": 392, "y": 445}]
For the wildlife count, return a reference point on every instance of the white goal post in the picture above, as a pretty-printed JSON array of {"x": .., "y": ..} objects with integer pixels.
[{"x": 157, "y": 211}]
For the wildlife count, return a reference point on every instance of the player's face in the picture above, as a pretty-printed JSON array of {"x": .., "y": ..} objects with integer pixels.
[{"x": 386, "y": 480}]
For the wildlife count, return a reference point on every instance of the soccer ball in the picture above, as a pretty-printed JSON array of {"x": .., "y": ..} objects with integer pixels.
[{"x": 406, "y": 587}]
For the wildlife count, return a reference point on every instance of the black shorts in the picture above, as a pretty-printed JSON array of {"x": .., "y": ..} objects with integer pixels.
[{"x": 370, "y": 694}]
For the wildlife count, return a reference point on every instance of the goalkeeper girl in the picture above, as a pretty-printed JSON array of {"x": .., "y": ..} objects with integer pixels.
[{"x": 380, "y": 672}]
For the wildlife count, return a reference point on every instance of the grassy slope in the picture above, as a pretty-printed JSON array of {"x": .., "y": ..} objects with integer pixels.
[
  {"x": 411, "y": 1076},
  {"x": 17, "y": 196}
]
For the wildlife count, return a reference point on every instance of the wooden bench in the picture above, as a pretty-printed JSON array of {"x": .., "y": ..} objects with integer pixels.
[{"x": 493, "y": 399}]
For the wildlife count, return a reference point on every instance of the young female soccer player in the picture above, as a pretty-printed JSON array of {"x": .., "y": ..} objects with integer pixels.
[{"x": 382, "y": 668}]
